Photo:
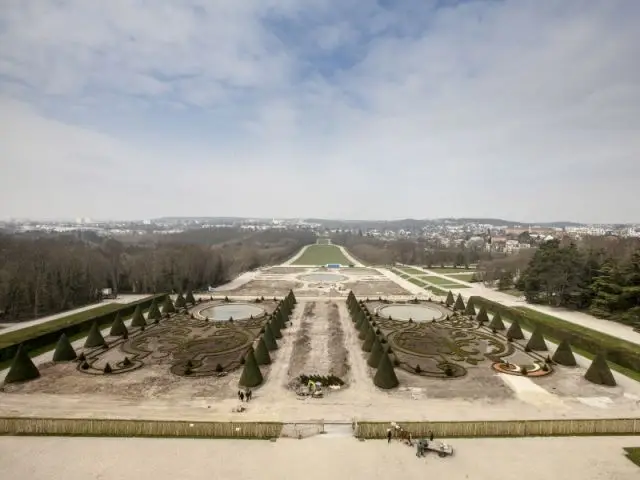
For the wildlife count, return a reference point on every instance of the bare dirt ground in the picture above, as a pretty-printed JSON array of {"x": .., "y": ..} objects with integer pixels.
[
  {"x": 375, "y": 288},
  {"x": 320, "y": 457},
  {"x": 266, "y": 288},
  {"x": 338, "y": 354}
]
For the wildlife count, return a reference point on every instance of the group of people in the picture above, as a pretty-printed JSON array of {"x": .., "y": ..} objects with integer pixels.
[
  {"x": 402, "y": 434},
  {"x": 246, "y": 395}
]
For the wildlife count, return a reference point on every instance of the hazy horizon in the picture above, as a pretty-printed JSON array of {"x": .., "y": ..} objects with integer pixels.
[{"x": 514, "y": 109}]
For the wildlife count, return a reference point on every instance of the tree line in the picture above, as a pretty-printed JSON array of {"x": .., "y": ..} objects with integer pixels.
[
  {"x": 49, "y": 273},
  {"x": 600, "y": 277}
]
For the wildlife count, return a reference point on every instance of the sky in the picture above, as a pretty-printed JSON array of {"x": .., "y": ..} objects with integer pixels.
[{"x": 527, "y": 110}]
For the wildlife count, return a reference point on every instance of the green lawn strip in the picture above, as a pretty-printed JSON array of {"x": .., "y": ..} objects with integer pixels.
[
  {"x": 411, "y": 270},
  {"x": 17, "y": 336},
  {"x": 322, "y": 255},
  {"x": 602, "y": 340},
  {"x": 439, "y": 280},
  {"x": 465, "y": 277},
  {"x": 436, "y": 290},
  {"x": 416, "y": 281},
  {"x": 453, "y": 285},
  {"x": 445, "y": 270},
  {"x": 633, "y": 454}
]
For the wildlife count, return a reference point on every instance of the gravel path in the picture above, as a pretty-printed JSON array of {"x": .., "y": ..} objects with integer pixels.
[{"x": 316, "y": 458}]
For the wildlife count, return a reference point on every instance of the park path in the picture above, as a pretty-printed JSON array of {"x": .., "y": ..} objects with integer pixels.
[
  {"x": 614, "y": 329},
  {"x": 122, "y": 299}
]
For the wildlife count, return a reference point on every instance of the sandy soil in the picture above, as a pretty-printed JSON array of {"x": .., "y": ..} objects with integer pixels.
[{"x": 320, "y": 457}]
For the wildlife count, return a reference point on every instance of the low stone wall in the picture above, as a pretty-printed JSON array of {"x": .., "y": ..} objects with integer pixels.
[
  {"x": 506, "y": 428},
  {"x": 137, "y": 428}
]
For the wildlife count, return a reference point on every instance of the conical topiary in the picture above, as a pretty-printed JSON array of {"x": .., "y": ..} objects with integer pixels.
[
  {"x": 364, "y": 330},
  {"x": 514, "y": 331},
  {"x": 180, "y": 301},
  {"x": 482, "y": 316},
  {"x": 154, "y": 311},
  {"x": 376, "y": 353},
  {"x": 449, "y": 301},
  {"x": 368, "y": 341},
  {"x": 138, "y": 318},
  {"x": 599, "y": 372},
  {"x": 269, "y": 339},
  {"x": 470, "y": 309},
  {"x": 95, "y": 338},
  {"x": 496, "y": 322},
  {"x": 118, "y": 328},
  {"x": 385, "y": 376},
  {"x": 564, "y": 355},
  {"x": 459, "y": 305},
  {"x": 536, "y": 342},
  {"x": 190, "y": 298},
  {"x": 64, "y": 350},
  {"x": 276, "y": 330},
  {"x": 22, "y": 368},
  {"x": 167, "y": 305},
  {"x": 262, "y": 353},
  {"x": 251, "y": 375}
]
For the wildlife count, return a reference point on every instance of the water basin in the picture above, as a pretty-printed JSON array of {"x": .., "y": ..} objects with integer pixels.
[
  {"x": 239, "y": 311},
  {"x": 418, "y": 313},
  {"x": 323, "y": 277}
]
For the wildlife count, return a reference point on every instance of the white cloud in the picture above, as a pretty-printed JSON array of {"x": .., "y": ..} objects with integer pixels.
[{"x": 521, "y": 109}]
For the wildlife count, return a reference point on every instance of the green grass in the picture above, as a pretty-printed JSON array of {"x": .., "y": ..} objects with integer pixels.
[
  {"x": 416, "y": 281},
  {"x": 445, "y": 270},
  {"x": 437, "y": 291},
  {"x": 439, "y": 280},
  {"x": 411, "y": 270},
  {"x": 633, "y": 454},
  {"x": 465, "y": 277},
  {"x": 453, "y": 285},
  {"x": 321, "y": 255},
  {"x": 18, "y": 336},
  {"x": 550, "y": 320}
]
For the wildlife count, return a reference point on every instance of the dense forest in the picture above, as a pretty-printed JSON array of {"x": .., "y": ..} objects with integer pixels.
[
  {"x": 45, "y": 274},
  {"x": 603, "y": 279}
]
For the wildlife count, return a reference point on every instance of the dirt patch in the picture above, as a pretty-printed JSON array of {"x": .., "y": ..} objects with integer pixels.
[
  {"x": 266, "y": 288},
  {"x": 338, "y": 353},
  {"x": 302, "y": 344},
  {"x": 375, "y": 288}
]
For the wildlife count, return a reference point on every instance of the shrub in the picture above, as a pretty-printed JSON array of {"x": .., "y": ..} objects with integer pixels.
[
  {"x": 599, "y": 372},
  {"x": 564, "y": 355},
  {"x": 418, "y": 369},
  {"x": 385, "y": 376},
  {"x": 219, "y": 368},
  {"x": 107, "y": 369},
  {"x": 64, "y": 351},
  {"x": 22, "y": 367}
]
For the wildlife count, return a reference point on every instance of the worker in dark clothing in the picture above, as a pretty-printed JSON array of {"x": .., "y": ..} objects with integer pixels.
[
  {"x": 242, "y": 396},
  {"x": 431, "y": 436},
  {"x": 388, "y": 435}
]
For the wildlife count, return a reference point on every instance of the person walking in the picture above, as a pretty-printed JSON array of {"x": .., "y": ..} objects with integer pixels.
[
  {"x": 242, "y": 396},
  {"x": 430, "y": 436},
  {"x": 388, "y": 435}
]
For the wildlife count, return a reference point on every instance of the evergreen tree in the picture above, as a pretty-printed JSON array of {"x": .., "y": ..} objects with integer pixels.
[
  {"x": 376, "y": 353},
  {"x": 190, "y": 299},
  {"x": 95, "y": 338},
  {"x": 167, "y": 306},
  {"x": 496, "y": 322},
  {"x": 22, "y": 368},
  {"x": 600, "y": 373},
  {"x": 269, "y": 338},
  {"x": 514, "y": 331},
  {"x": 368, "y": 341},
  {"x": 64, "y": 351},
  {"x": 262, "y": 353},
  {"x": 138, "y": 318},
  {"x": 470, "y": 308},
  {"x": 563, "y": 354},
  {"x": 180, "y": 301},
  {"x": 275, "y": 329},
  {"x": 536, "y": 343},
  {"x": 459, "y": 305},
  {"x": 118, "y": 328},
  {"x": 154, "y": 311},
  {"x": 385, "y": 376},
  {"x": 482, "y": 316},
  {"x": 251, "y": 375},
  {"x": 449, "y": 301}
]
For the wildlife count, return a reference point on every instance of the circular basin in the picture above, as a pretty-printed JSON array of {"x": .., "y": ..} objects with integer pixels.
[
  {"x": 323, "y": 277},
  {"x": 418, "y": 313},
  {"x": 239, "y": 311}
]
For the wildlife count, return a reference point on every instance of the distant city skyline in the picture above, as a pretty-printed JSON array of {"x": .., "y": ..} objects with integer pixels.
[{"x": 333, "y": 109}]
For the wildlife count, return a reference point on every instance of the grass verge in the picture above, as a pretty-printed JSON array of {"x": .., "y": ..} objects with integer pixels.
[
  {"x": 322, "y": 255},
  {"x": 633, "y": 454}
]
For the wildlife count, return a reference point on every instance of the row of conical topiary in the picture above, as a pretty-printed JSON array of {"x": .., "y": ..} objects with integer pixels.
[
  {"x": 251, "y": 375},
  {"x": 379, "y": 354}
]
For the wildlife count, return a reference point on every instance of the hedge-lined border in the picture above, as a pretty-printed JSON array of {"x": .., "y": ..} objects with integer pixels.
[
  {"x": 79, "y": 427},
  {"x": 618, "y": 351},
  {"x": 50, "y": 338},
  {"x": 506, "y": 428}
]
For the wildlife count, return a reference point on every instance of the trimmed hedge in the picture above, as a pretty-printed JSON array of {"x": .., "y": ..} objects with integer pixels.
[
  {"x": 620, "y": 352},
  {"x": 41, "y": 337}
]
